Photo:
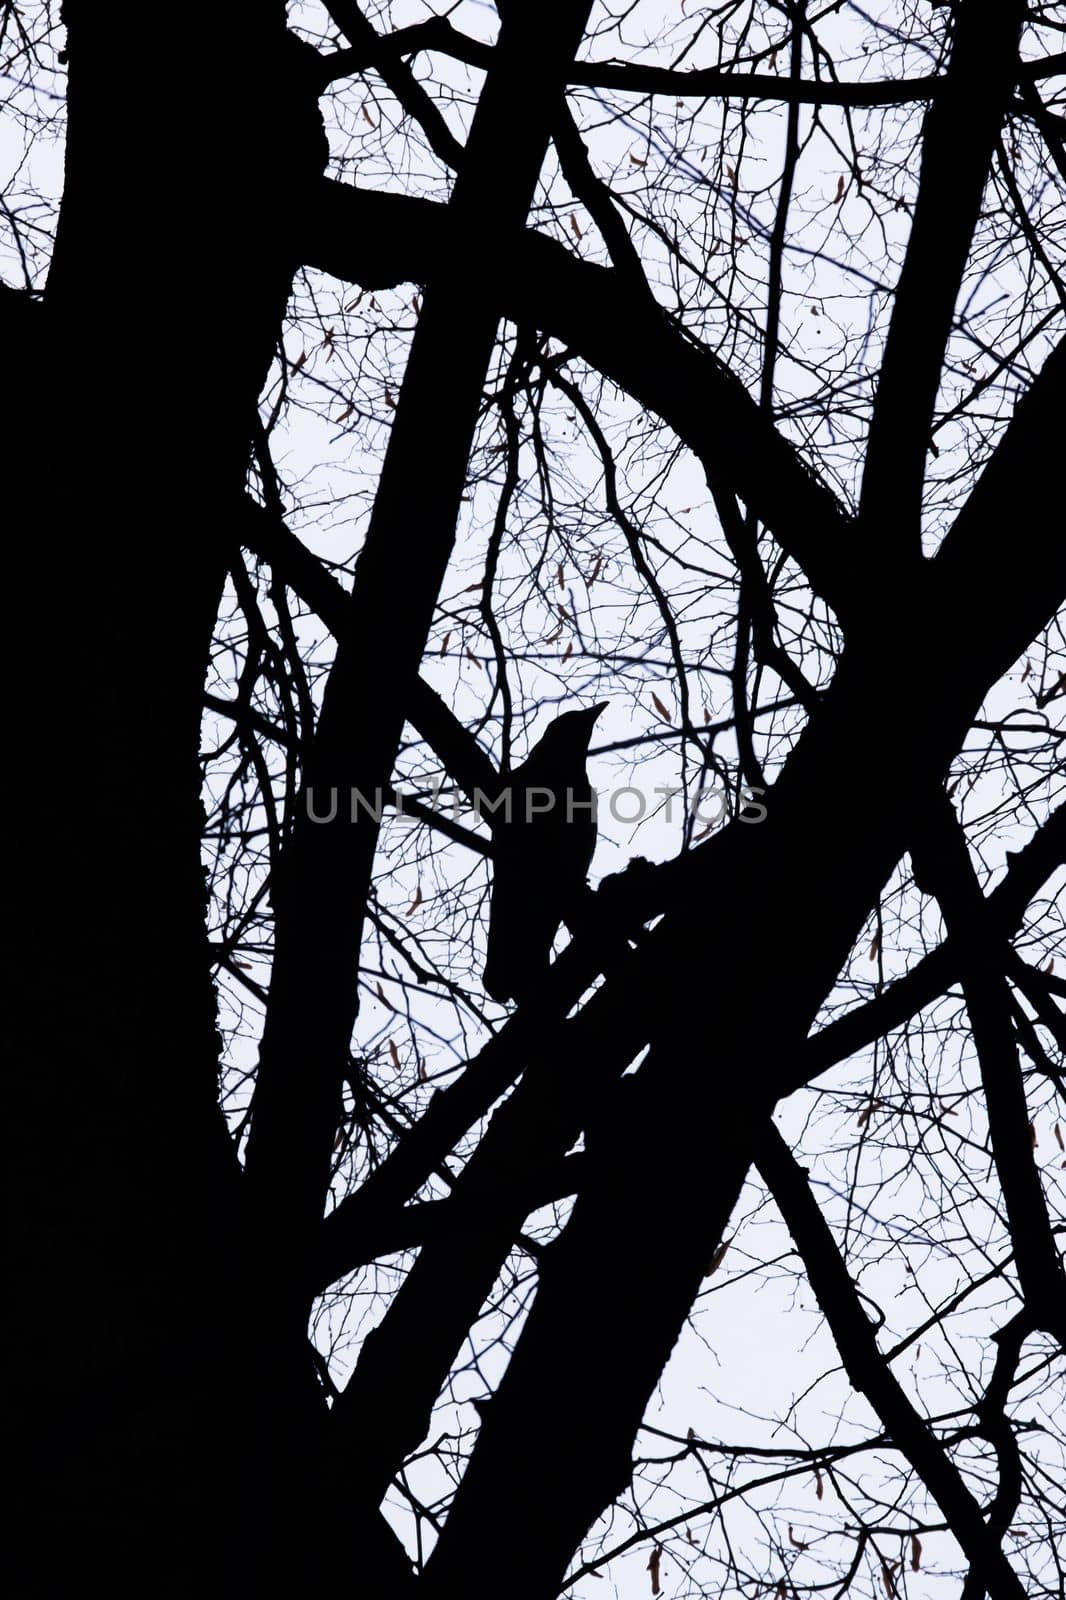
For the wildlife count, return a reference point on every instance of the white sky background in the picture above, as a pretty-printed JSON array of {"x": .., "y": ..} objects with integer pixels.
[{"x": 750, "y": 1368}]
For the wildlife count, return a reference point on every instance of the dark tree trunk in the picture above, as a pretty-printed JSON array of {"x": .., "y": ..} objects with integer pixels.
[{"x": 133, "y": 1404}]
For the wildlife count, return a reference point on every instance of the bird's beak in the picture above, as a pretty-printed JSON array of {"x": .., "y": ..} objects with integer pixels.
[{"x": 594, "y": 712}]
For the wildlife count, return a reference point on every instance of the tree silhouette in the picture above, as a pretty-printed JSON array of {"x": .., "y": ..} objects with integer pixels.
[{"x": 383, "y": 383}]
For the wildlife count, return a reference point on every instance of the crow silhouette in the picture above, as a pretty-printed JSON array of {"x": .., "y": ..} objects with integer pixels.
[{"x": 543, "y": 836}]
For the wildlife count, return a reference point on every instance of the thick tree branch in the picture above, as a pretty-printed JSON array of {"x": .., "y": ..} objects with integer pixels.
[
  {"x": 502, "y": 1062},
  {"x": 377, "y": 240},
  {"x": 1013, "y": 487},
  {"x": 416, "y": 1227},
  {"x": 630, "y": 900},
  {"x": 323, "y": 880},
  {"x": 807, "y": 875},
  {"x": 959, "y": 140},
  {"x": 988, "y": 610},
  {"x": 404, "y": 1364}
]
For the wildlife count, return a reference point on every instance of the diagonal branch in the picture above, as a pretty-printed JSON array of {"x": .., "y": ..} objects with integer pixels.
[
  {"x": 807, "y": 873},
  {"x": 630, "y": 900},
  {"x": 870, "y": 1373},
  {"x": 378, "y": 240},
  {"x": 922, "y": 706},
  {"x": 274, "y": 542},
  {"x": 988, "y": 610},
  {"x": 322, "y": 884},
  {"x": 439, "y": 35},
  {"x": 405, "y": 1363},
  {"x": 943, "y": 868},
  {"x": 368, "y": 49},
  {"x": 1004, "y": 910},
  {"x": 959, "y": 139}
]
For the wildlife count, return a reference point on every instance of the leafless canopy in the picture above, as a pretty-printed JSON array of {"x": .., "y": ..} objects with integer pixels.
[{"x": 705, "y": 360}]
